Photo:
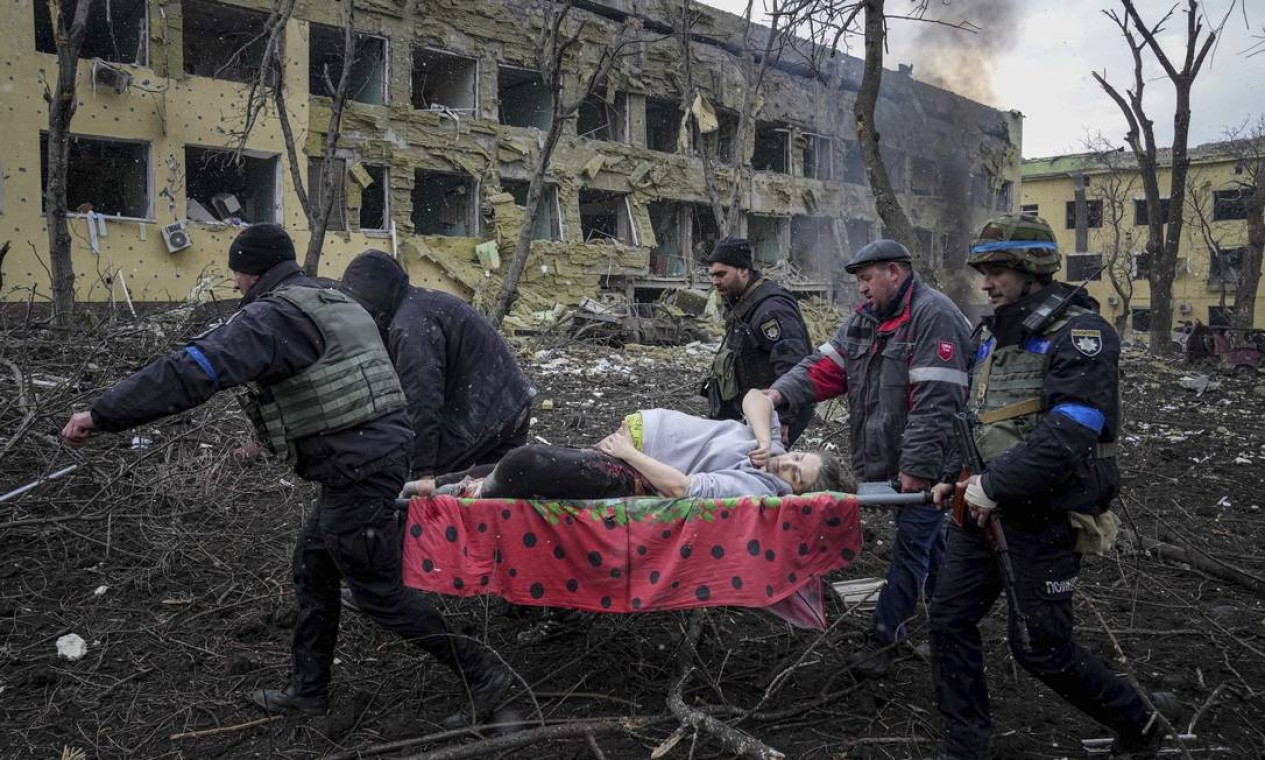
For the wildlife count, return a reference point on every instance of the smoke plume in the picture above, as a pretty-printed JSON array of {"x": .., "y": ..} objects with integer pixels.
[{"x": 960, "y": 53}]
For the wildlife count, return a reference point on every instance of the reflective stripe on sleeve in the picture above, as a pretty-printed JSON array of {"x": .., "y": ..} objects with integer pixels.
[
  {"x": 829, "y": 351},
  {"x": 938, "y": 374}
]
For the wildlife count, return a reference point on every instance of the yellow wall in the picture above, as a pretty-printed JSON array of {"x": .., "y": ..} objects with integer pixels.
[{"x": 1051, "y": 190}]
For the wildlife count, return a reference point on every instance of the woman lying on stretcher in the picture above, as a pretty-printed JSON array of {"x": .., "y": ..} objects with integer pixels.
[{"x": 658, "y": 452}]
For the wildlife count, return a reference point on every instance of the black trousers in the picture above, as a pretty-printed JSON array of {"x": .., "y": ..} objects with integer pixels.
[
  {"x": 555, "y": 472},
  {"x": 512, "y": 435},
  {"x": 355, "y": 533},
  {"x": 1046, "y": 570}
]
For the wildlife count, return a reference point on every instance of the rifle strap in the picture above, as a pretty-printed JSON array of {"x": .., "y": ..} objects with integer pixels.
[{"x": 1010, "y": 411}]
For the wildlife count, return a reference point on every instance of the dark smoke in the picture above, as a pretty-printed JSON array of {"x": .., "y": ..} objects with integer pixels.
[{"x": 962, "y": 60}]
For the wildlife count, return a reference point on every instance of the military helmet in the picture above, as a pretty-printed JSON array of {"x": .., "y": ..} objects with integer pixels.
[
  {"x": 1023, "y": 243},
  {"x": 877, "y": 252}
]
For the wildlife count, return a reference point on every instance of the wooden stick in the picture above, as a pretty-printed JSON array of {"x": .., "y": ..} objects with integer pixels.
[{"x": 224, "y": 729}]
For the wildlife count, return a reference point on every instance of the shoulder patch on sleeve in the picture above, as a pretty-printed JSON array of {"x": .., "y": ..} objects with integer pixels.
[
  {"x": 771, "y": 329},
  {"x": 1088, "y": 342},
  {"x": 944, "y": 349}
]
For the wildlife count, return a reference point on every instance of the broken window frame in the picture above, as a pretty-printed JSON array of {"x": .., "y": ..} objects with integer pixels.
[
  {"x": 818, "y": 147},
  {"x": 385, "y": 183},
  {"x": 250, "y": 22},
  {"x": 701, "y": 241},
  {"x": 124, "y": 210},
  {"x": 415, "y": 97},
  {"x": 471, "y": 212},
  {"x": 819, "y": 258},
  {"x": 316, "y": 77},
  {"x": 1229, "y": 205},
  {"x": 226, "y": 155},
  {"x": 44, "y": 42},
  {"x": 625, "y": 227},
  {"x": 771, "y": 151},
  {"x": 669, "y": 136},
  {"x": 549, "y": 203},
  {"x": 501, "y": 71},
  {"x": 724, "y": 147},
  {"x": 616, "y": 125},
  {"x": 1093, "y": 214},
  {"x": 1084, "y": 266},
  {"x": 782, "y": 233},
  {"x": 672, "y": 264}
]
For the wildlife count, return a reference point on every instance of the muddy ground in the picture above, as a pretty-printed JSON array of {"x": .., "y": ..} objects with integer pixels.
[{"x": 172, "y": 562}]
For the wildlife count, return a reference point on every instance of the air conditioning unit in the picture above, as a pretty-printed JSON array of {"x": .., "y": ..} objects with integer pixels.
[
  {"x": 105, "y": 75},
  {"x": 176, "y": 237},
  {"x": 1184, "y": 308},
  {"x": 1113, "y": 300}
]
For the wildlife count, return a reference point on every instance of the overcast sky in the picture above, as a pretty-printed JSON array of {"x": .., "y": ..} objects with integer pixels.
[{"x": 1037, "y": 57}]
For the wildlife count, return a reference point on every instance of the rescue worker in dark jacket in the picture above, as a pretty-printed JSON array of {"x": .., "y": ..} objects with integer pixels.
[
  {"x": 1045, "y": 392},
  {"x": 901, "y": 360},
  {"x": 323, "y": 395},
  {"x": 765, "y": 336},
  {"x": 468, "y": 401}
]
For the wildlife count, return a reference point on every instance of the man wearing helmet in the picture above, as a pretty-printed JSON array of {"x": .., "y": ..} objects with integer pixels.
[
  {"x": 1044, "y": 390},
  {"x": 901, "y": 359}
]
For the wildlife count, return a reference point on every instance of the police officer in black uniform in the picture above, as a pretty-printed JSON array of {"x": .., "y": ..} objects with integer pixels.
[
  {"x": 1044, "y": 389},
  {"x": 323, "y": 396},
  {"x": 765, "y": 335}
]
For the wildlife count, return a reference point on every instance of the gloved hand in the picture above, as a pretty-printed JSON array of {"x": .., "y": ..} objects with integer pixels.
[{"x": 981, "y": 505}]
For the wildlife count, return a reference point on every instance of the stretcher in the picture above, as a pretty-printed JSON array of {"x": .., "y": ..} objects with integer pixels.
[{"x": 639, "y": 554}]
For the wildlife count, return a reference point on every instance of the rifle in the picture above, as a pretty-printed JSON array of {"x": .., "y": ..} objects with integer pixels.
[{"x": 973, "y": 464}]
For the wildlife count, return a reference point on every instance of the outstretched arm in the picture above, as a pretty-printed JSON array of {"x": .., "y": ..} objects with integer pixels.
[
  {"x": 758, "y": 409},
  {"x": 666, "y": 479}
]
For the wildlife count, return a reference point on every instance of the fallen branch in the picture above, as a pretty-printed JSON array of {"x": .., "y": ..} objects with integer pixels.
[
  {"x": 562, "y": 729},
  {"x": 225, "y": 729},
  {"x": 1200, "y": 560},
  {"x": 489, "y": 747}
]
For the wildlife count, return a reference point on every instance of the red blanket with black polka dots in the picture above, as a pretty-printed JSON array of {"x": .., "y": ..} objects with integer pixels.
[{"x": 635, "y": 555}]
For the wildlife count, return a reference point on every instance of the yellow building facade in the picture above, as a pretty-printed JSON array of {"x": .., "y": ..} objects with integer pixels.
[{"x": 1214, "y": 233}]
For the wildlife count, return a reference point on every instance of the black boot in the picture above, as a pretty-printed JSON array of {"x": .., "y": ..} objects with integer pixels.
[
  {"x": 284, "y": 700},
  {"x": 1146, "y": 744},
  {"x": 487, "y": 683}
]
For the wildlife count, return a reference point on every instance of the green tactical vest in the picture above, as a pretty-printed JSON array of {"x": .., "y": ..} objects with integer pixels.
[
  {"x": 1006, "y": 389},
  {"x": 352, "y": 383}
]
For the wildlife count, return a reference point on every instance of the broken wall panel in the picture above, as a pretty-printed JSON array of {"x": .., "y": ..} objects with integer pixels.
[
  {"x": 375, "y": 208},
  {"x": 444, "y": 204},
  {"x": 222, "y": 41},
  {"x": 337, "y": 221},
  {"x": 441, "y": 79},
  {"x": 547, "y": 224},
  {"x": 367, "y": 80},
  {"x": 230, "y": 187}
]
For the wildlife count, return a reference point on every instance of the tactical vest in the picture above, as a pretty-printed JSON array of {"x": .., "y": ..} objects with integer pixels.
[
  {"x": 1007, "y": 387},
  {"x": 353, "y": 381},
  {"x": 738, "y": 366}
]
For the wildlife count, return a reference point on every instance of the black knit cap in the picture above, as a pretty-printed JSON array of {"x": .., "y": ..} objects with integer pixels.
[
  {"x": 259, "y": 248},
  {"x": 732, "y": 251},
  {"x": 377, "y": 281}
]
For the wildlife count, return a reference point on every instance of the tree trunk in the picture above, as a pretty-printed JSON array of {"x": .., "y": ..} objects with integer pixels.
[
  {"x": 318, "y": 222},
  {"x": 62, "y": 104},
  {"x": 885, "y": 199}
]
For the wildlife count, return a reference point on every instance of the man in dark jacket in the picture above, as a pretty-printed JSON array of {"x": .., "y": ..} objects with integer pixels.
[
  {"x": 324, "y": 396},
  {"x": 765, "y": 335},
  {"x": 468, "y": 401},
  {"x": 901, "y": 360},
  {"x": 1045, "y": 393}
]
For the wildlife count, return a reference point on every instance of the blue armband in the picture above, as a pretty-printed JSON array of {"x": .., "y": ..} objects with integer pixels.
[
  {"x": 1081, "y": 414},
  {"x": 200, "y": 359}
]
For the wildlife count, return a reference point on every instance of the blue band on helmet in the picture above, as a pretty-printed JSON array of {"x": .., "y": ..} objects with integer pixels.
[
  {"x": 1002, "y": 245},
  {"x": 200, "y": 359},
  {"x": 1082, "y": 414}
]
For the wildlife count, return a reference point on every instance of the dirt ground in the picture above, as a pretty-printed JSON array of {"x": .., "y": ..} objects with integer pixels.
[{"x": 171, "y": 561}]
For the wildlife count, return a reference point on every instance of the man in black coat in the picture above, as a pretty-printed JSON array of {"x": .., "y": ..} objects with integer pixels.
[
  {"x": 468, "y": 401},
  {"x": 323, "y": 395},
  {"x": 765, "y": 335}
]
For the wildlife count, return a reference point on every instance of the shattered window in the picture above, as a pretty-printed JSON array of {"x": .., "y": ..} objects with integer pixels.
[
  {"x": 105, "y": 176},
  {"x": 116, "y": 30},
  {"x": 600, "y": 119},
  {"x": 663, "y": 121},
  {"x": 704, "y": 232},
  {"x": 1093, "y": 213},
  {"x": 444, "y": 80},
  {"x": 772, "y": 148},
  {"x": 366, "y": 81},
  {"x": 525, "y": 100},
  {"x": 819, "y": 157},
  {"x": 338, "y": 213},
  {"x": 666, "y": 259},
  {"x": 604, "y": 216},
  {"x": 812, "y": 244},
  {"x": 1229, "y": 205},
  {"x": 1084, "y": 266},
  {"x": 375, "y": 199},
  {"x": 765, "y": 234},
  {"x": 444, "y": 204},
  {"x": 223, "y": 41},
  {"x": 545, "y": 225},
  {"x": 219, "y": 187}
]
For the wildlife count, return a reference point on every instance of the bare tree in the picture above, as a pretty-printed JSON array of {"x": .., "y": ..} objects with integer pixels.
[
  {"x": 267, "y": 87},
  {"x": 62, "y": 103},
  {"x": 1249, "y": 148},
  {"x": 1141, "y": 139},
  {"x": 558, "y": 44},
  {"x": 1115, "y": 180}
]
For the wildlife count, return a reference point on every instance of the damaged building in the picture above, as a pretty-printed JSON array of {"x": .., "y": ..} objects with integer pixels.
[{"x": 445, "y": 120}]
